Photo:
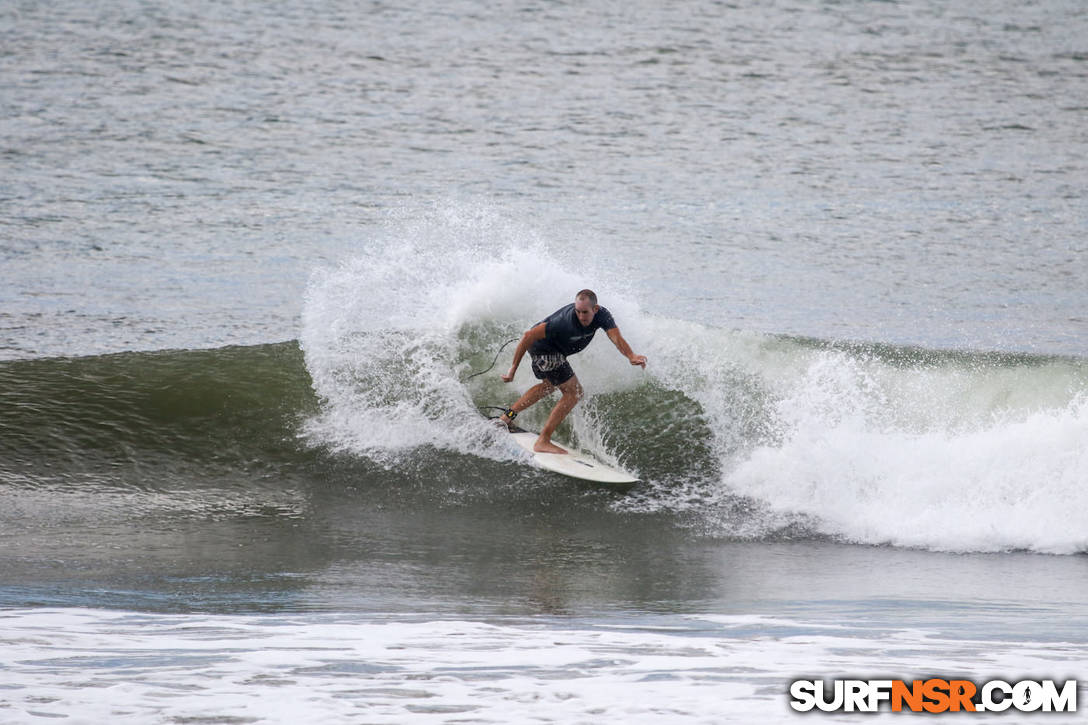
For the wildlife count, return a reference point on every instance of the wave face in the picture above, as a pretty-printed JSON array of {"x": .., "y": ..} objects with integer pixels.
[
  {"x": 150, "y": 419},
  {"x": 735, "y": 434}
]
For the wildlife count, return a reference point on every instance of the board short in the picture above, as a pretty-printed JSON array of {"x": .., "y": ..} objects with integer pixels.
[{"x": 552, "y": 367}]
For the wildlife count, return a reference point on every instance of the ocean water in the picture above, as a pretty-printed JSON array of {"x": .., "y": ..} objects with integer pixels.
[{"x": 252, "y": 255}]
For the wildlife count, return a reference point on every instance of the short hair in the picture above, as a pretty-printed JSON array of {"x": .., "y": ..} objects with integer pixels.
[{"x": 587, "y": 294}]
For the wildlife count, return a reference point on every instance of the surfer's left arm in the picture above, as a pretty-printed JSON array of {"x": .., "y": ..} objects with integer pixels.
[{"x": 625, "y": 349}]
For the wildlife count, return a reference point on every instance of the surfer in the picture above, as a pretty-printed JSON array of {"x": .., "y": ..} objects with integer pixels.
[{"x": 549, "y": 343}]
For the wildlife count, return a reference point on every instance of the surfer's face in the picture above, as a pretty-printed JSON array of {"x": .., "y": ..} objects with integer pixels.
[{"x": 584, "y": 311}]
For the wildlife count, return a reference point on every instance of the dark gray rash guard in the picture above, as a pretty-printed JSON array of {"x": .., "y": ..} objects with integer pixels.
[{"x": 563, "y": 333}]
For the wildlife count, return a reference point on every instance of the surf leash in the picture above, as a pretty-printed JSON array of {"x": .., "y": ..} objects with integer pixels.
[
  {"x": 470, "y": 377},
  {"x": 507, "y": 415}
]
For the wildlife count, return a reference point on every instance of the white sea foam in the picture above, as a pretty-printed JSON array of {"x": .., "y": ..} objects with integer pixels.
[
  {"x": 947, "y": 458},
  {"x": 88, "y": 666},
  {"x": 387, "y": 334}
]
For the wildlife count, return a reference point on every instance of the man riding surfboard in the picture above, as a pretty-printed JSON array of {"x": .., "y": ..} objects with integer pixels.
[{"x": 565, "y": 332}]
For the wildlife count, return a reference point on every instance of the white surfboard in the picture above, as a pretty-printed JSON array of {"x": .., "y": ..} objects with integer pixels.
[{"x": 575, "y": 463}]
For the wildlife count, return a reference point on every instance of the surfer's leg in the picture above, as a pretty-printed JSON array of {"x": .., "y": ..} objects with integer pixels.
[
  {"x": 538, "y": 391},
  {"x": 532, "y": 395},
  {"x": 572, "y": 393}
]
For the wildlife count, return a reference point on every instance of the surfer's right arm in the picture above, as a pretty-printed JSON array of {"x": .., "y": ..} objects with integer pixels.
[{"x": 531, "y": 335}]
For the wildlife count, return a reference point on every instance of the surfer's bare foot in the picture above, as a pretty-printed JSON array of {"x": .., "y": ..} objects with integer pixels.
[{"x": 542, "y": 446}]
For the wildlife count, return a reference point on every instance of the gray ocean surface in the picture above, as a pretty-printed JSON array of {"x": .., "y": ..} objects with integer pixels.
[
  {"x": 894, "y": 171},
  {"x": 251, "y": 254}
]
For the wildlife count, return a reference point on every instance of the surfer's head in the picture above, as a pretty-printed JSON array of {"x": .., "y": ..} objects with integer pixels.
[
  {"x": 587, "y": 294},
  {"x": 585, "y": 306}
]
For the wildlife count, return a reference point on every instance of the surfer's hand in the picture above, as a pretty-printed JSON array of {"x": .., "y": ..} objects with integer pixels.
[
  {"x": 639, "y": 360},
  {"x": 508, "y": 378}
]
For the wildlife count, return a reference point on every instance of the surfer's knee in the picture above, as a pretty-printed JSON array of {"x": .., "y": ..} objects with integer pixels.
[
  {"x": 572, "y": 390},
  {"x": 541, "y": 389}
]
